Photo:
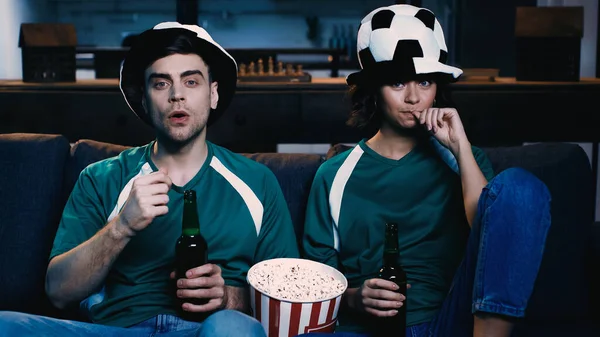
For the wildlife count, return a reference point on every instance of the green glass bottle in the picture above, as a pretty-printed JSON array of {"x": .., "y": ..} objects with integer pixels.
[
  {"x": 191, "y": 249},
  {"x": 392, "y": 271}
]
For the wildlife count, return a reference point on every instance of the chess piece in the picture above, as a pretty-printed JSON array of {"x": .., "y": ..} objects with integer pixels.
[
  {"x": 270, "y": 71},
  {"x": 252, "y": 69},
  {"x": 299, "y": 71},
  {"x": 242, "y": 70},
  {"x": 280, "y": 71},
  {"x": 289, "y": 69},
  {"x": 261, "y": 68}
]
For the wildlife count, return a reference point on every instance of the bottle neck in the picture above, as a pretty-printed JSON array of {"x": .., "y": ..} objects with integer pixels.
[
  {"x": 190, "y": 223},
  {"x": 391, "y": 251},
  {"x": 390, "y": 258}
]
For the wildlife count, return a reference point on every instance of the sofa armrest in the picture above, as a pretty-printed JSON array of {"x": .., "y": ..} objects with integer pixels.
[{"x": 31, "y": 180}]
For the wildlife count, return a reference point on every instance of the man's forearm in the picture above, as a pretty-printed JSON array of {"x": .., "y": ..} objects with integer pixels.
[
  {"x": 237, "y": 298},
  {"x": 349, "y": 298},
  {"x": 76, "y": 274}
]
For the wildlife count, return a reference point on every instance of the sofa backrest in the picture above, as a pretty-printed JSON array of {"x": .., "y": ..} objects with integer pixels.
[{"x": 31, "y": 203}]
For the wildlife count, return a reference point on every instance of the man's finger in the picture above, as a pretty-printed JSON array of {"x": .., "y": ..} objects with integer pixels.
[
  {"x": 212, "y": 305},
  {"x": 199, "y": 282},
  {"x": 201, "y": 293},
  {"x": 204, "y": 270},
  {"x": 153, "y": 178},
  {"x": 154, "y": 189}
]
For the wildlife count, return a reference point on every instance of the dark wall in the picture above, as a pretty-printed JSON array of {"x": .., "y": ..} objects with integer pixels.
[{"x": 485, "y": 34}]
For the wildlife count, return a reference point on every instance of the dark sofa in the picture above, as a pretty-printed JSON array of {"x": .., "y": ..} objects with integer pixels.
[{"x": 38, "y": 171}]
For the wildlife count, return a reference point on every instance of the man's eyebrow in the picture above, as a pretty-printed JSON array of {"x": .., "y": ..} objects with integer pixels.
[
  {"x": 169, "y": 78},
  {"x": 160, "y": 75},
  {"x": 191, "y": 72}
]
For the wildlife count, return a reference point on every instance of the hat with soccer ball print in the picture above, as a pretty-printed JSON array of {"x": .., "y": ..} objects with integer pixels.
[{"x": 401, "y": 42}]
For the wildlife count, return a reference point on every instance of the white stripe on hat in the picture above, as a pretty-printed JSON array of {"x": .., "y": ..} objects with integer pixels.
[{"x": 200, "y": 32}]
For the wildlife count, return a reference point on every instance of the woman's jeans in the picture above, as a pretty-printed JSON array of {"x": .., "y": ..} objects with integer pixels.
[
  {"x": 228, "y": 323},
  {"x": 502, "y": 259}
]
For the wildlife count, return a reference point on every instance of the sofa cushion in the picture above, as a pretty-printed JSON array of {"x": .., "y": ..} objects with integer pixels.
[
  {"x": 295, "y": 173},
  {"x": 562, "y": 287},
  {"x": 31, "y": 180},
  {"x": 85, "y": 152}
]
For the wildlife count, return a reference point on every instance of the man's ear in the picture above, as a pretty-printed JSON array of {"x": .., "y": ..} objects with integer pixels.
[{"x": 214, "y": 95}]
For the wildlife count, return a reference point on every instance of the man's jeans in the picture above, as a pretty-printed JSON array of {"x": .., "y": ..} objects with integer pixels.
[
  {"x": 503, "y": 256},
  {"x": 222, "y": 323}
]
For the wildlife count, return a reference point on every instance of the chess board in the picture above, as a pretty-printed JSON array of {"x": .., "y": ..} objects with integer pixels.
[{"x": 256, "y": 72}]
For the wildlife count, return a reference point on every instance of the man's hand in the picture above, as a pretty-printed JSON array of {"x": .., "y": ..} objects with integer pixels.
[
  {"x": 147, "y": 200},
  {"x": 379, "y": 298},
  {"x": 445, "y": 125},
  {"x": 204, "y": 282}
]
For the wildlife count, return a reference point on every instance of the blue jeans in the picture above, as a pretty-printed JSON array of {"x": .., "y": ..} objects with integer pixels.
[
  {"x": 502, "y": 259},
  {"x": 222, "y": 323}
]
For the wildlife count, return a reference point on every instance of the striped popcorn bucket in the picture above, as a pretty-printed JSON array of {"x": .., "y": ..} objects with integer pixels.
[{"x": 286, "y": 318}]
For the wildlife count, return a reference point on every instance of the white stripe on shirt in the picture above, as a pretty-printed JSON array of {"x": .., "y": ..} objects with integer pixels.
[
  {"x": 337, "y": 189},
  {"x": 252, "y": 202},
  {"x": 145, "y": 170}
]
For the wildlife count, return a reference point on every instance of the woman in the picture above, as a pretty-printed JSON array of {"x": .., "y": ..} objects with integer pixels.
[{"x": 470, "y": 243}]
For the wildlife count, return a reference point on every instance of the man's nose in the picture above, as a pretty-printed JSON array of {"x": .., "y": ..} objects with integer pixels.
[{"x": 176, "y": 93}]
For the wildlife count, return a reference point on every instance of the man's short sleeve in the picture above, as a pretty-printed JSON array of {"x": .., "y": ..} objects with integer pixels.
[{"x": 82, "y": 217}]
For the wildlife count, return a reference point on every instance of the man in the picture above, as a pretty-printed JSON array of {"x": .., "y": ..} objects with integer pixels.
[{"x": 115, "y": 247}]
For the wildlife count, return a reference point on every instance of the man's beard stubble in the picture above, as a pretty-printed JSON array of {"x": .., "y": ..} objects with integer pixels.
[{"x": 173, "y": 145}]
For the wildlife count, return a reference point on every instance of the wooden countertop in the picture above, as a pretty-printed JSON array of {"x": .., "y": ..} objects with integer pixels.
[{"x": 337, "y": 83}]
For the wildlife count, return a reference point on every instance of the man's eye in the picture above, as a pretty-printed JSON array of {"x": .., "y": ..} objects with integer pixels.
[
  {"x": 398, "y": 85},
  {"x": 425, "y": 83},
  {"x": 160, "y": 85},
  {"x": 192, "y": 82}
]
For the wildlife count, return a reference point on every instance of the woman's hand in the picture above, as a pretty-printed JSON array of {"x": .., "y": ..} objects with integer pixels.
[
  {"x": 379, "y": 298},
  {"x": 445, "y": 125}
]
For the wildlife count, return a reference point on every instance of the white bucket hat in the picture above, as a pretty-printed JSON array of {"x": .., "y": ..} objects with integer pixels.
[
  {"x": 401, "y": 41},
  {"x": 152, "y": 44}
]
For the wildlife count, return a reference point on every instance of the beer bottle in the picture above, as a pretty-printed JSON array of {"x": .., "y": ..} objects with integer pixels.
[
  {"x": 392, "y": 271},
  {"x": 191, "y": 250}
]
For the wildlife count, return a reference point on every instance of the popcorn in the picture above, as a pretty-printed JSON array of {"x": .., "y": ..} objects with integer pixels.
[{"x": 295, "y": 281}]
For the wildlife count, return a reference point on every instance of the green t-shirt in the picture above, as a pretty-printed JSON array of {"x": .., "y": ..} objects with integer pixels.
[
  {"x": 242, "y": 213},
  {"x": 356, "y": 192}
]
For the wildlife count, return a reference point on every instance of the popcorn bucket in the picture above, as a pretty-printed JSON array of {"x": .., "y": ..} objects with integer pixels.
[{"x": 293, "y": 296}]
